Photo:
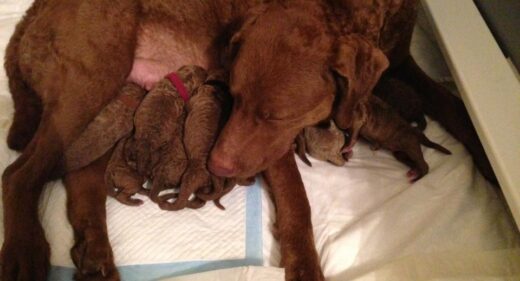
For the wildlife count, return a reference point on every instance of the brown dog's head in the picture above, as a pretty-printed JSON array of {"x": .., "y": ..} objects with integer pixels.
[{"x": 283, "y": 62}]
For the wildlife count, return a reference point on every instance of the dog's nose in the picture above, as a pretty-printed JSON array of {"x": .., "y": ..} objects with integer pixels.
[{"x": 221, "y": 167}]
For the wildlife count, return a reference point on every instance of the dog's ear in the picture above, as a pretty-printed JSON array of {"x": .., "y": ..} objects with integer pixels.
[
  {"x": 235, "y": 33},
  {"x": 232, "y": 48},
  {"x": 358, "y": 65}
]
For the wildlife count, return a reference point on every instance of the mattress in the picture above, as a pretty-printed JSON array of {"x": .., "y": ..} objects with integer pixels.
[{"x": 369, "y": 222}]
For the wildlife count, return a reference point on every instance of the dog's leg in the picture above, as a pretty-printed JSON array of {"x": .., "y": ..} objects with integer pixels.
[
  {"x": 73, "y": 92},
  {"x": 86, "y": 196},
  {"x": 449, "y": 110},
  {"x": 293, "y": 218},
  {"x": 25, "y": 252},
  {"x": 27, "y": 104}
]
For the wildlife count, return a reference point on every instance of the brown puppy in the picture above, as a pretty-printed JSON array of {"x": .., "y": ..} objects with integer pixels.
[
  {"x": 201, "y": 128},
  {"x": 157, "y": 145},
  {"x": 68, "y": 59},
  {"x": 322, "y": 143},
  {"x": 402, "y": 98},
  {"x": 113, "y": 123},
  {"x": 121, "y": 179},
  {"x": 382, "y": 126},
  {"x": 159, "y": 125}
]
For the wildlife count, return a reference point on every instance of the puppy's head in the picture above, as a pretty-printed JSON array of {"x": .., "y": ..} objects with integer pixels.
[{"x": 282, "y": 80}]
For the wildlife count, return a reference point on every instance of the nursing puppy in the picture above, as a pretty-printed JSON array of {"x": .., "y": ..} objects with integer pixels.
[
  {"x": 382, "y": 126},
  {"x": 323, "y": 142},
  {"x": 205, "y": 113},
  {"x": 156, "y": 149},
  {"x": 403, "y": 99},
  {"x": 114, "y": 122}
]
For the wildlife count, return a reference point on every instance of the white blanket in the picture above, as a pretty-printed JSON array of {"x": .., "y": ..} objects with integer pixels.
[{"x": 369, "y": 222}]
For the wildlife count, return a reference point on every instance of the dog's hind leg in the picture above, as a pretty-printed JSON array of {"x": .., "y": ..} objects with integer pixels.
[
  {"x": 27, "y": 104},
  {"x": 71, "y": 99},
  {"x": 86, "y": 196},
  {"x": 25, "y": 252},
  {"x": 449, "y": 110}
]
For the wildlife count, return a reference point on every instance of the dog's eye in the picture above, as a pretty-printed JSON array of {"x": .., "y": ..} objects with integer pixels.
[
  {"x": 237, "y": 101},
  {"x": 266, "y": 115},
  {"x": 269, "y": 116}
]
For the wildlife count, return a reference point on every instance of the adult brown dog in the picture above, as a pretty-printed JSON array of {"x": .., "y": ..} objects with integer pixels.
[{"x": 67, "y": 60}]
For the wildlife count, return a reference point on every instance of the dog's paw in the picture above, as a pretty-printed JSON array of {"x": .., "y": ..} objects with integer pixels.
[
  {"x": 93, "y": 258},
  {"x": 300, "y": 259},
  {"x": 26, "y": 260},
  {"x": 111, "y": 276},
  {"x": 304, "y": 271},
  {"x": 97, "y": 277}
]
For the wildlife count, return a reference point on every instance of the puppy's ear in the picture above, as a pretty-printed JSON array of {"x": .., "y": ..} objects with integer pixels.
[{"x": 360, "y": 64}]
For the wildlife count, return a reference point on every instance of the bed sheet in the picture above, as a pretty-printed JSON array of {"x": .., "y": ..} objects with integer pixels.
[{"x": 369, "y": 222}]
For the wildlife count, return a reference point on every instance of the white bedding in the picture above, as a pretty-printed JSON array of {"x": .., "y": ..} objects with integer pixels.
[{"x": 369, "y": 222}]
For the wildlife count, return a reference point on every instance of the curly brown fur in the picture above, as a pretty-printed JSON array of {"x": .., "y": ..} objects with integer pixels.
[
  {"x": 201, "y": 129},
  {"x": 382, "y": 126},
  {"x": 156, "y": 148},
  {"x": 111, "y": 124},
  {"x": 402, "y": 98},
  {"x": 122, "y": 180}
]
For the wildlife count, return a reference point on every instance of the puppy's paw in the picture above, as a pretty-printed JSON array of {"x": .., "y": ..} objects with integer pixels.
[
  {"x": 166, "y": 176},
  {"x": 347, "y": 154},
  {"x": 92, "y": 255},
  {"x": 414, "y": 175},
  {"x": 26, "y": 260},
  {"x": 123, "y": 183},
  {"x": 195, "y": 180},
  {"x": 128, "y": 199}
]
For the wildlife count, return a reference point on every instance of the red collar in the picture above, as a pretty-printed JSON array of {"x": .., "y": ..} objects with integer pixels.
[{"x": 177, "y": 83}]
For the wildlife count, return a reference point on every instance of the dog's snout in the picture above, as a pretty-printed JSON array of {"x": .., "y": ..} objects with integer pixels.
[{"x": 221, "y": 166}]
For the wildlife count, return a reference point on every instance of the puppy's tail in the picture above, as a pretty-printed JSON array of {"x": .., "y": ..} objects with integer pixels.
[{"x": 427, "y": 142}]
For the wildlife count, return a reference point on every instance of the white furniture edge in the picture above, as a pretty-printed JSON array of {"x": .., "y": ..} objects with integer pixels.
[{"x": 488, "y": 86}]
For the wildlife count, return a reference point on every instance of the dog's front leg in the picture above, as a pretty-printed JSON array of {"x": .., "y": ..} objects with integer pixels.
[
  {"x": 86, "y": 196},
  {"x": 293, "y": 216}
]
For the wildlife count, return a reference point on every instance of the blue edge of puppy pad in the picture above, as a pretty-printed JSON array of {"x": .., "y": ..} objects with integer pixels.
[{"x": 254, "y": 256}]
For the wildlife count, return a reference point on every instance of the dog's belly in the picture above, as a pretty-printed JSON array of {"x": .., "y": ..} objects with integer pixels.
[{"x": 161, "y": 51}]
